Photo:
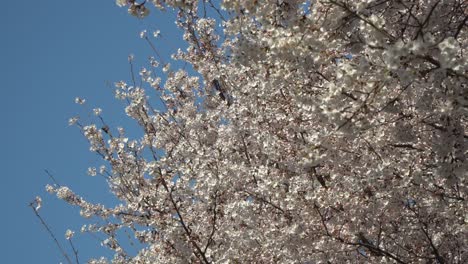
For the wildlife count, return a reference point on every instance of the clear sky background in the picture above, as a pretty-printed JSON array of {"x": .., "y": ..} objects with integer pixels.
[{"x": 51, "y": 52}]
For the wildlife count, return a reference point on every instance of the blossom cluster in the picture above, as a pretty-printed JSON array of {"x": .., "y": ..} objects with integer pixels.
[{"x": 325, "y": 131}]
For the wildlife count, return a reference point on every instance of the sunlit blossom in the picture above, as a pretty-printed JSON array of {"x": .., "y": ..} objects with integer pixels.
[
  {"x": 79, "y": 100},
  {"x": 69, "y": 234}
]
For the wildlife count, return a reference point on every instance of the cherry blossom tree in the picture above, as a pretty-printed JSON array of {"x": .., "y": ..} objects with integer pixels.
[{"x": 328, "y": 131}]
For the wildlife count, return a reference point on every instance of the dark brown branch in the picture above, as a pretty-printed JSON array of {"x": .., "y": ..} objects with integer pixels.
[
  {"x": 199, "y": 252},
  {"x": 266, "y": 201},
  {"x": 380, "y": 251},
  {"x": 322, "y": 219},
  {"x": 365, "y": 20},
  {"x": 424, "y": 229},
  {"x": 420, "y": 30},
  {"x": 213, "y": 228},
  {"x": 460, "y": 27}
]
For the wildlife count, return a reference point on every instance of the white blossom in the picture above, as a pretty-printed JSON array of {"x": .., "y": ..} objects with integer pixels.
[
  {"x": 143, "y": 34},
  {"x": 97, "y": 111},
  {"x": 92, "y": 171},
  {"x": 79, "y": 100},
  {"x": 38, "y": 203},
  {"x": 121, "y": 2},
  {"x": 49, "y": 188},
  {"x": 166, "y": 67},
  {"x": 64, "y": 193},
  {"x": 72, "y": 121},
  {"x": 156, "y": 33},
  {"x": 102, "y": 169},
  {"x": 69, "y": 234}
]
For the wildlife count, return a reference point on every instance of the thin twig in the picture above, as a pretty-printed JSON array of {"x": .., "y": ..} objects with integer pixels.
[
  {"x": 75, "y": 252},
  {"x": 57, "y": 243},
  {"x": 51, "y": 177}
]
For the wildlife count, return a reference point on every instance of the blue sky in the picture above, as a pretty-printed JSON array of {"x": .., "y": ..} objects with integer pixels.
[{"x": 51, "y": 52}]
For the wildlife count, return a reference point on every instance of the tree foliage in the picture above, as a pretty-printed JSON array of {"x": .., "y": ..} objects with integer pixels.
[{"x": 326, "y": 131}]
